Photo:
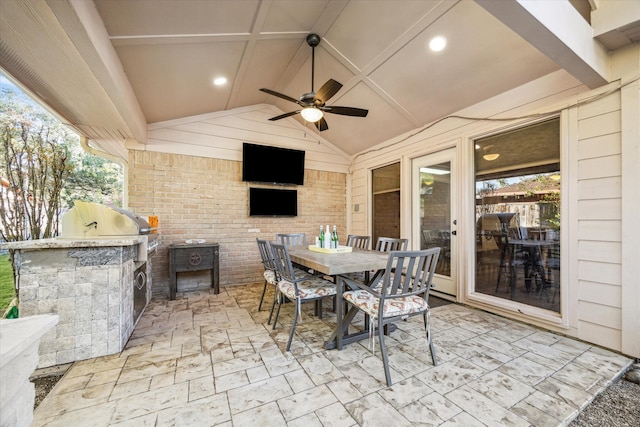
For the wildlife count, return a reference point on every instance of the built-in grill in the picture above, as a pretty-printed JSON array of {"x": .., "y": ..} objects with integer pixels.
[
  {"x": 88, "y": 220},
  {"x": 92, "y": 221}
]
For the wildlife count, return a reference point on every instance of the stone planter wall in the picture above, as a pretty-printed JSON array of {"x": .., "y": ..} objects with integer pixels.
[{"x": 18, "y": 358}]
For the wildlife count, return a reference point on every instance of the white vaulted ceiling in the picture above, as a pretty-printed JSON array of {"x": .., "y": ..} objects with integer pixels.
[{"x": 110, "y": 67}]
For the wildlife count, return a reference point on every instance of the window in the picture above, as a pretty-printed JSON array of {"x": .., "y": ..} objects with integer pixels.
[
  {"x": 386, "y": 202},
  {"x": 517, "y": 208}
]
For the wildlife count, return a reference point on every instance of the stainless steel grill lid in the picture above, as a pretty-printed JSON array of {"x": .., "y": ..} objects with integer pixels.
[{"x": 87, "y": 219}]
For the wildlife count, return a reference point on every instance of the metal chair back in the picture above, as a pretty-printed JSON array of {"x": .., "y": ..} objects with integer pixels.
[
  {"x": 265, "y": 255},
  {"x": 291, "y": 238},
  {"x": 417, "y": 269},
  {"x": 361, "y": 242},
  {"x": 283, "y": 262},
  {"x": 388, "y": 244}
]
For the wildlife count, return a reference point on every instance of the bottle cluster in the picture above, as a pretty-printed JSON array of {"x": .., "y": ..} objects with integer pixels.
[{"x": 327, "y": 239}]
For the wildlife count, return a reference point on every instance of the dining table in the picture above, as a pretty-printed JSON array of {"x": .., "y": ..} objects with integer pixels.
[{"x": 334, "y": 264}]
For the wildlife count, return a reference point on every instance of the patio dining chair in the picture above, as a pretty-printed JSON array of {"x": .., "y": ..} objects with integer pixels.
[
  {"x": 399, "y": 297},
  {"x": 356, "y": 241},
  {"x": 388, "y": 244},
  {"x": 297, "y": 287},
  {"x": 270, "y": 273},
  {"x": 291, "y": 238},
  {"x": 361, "y": 242}
]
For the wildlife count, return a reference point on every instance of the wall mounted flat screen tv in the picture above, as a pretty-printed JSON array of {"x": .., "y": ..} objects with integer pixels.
[
  {"x": 272, "y": 202},
  {"x": 274, "y": 165}
]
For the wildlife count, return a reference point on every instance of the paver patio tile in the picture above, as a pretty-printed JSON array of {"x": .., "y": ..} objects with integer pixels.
[{"x": 207, "y": 359}]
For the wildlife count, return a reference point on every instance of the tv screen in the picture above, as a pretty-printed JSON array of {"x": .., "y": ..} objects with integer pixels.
[
  {"x": 262, "y": 163},
  {"x": 272, "y": 202}
]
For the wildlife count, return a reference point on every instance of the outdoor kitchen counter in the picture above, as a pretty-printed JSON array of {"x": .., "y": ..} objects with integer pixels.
[
  {"x": 76, "y": 242},
  {"x": 98, "y": 286}
]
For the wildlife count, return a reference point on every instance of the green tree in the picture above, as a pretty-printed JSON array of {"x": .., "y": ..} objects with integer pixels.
[
  {"x": 34, "y": 162},
  {"x": 93, "y": 179},
  {"x": 43, "y": 169}
]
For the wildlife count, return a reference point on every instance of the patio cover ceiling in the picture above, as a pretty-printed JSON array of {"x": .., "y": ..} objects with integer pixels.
[{"x": 109, "y": 68}]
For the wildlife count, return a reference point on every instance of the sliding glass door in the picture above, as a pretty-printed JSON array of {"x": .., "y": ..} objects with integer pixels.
[{"x": 517, "y": 210}]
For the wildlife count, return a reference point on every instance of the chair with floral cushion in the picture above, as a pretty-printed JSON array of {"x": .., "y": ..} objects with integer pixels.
[
  {"x": 297, "y": 287},
  {"x": 269, "y": 274},
  {"x": 399, "y": 296}
]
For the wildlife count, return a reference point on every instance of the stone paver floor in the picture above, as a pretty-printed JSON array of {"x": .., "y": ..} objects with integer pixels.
[{"x": 205, "y": 360}]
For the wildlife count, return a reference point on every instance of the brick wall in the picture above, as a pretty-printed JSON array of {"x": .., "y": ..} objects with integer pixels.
[{"x": 205, "y": 198}]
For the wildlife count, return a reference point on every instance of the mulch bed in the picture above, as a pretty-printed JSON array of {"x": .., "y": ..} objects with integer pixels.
[{"x": 43, "y": 387}]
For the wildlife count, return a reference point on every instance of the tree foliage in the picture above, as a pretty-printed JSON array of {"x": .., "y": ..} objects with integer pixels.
[
  {"x": 35, "y": 165},
  {"x": 44, "y": 169}
]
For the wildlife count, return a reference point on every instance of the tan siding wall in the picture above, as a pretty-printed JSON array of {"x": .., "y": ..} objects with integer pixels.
[
  {"x": 599, "y": 227},
  {"x": 593, "y": 299},
  {"x": 220, "y": 135}
]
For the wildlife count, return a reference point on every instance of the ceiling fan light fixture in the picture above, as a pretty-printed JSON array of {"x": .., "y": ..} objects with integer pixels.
[
  {"x": 311, "y": 114},
  {"x": 491, "y": 157}
]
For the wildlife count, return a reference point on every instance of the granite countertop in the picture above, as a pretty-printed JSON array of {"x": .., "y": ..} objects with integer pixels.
[{"x": 61, "y": 243}]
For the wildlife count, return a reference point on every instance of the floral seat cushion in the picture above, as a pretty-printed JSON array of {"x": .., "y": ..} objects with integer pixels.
[
  {"x": 270, "y": 277},
  {"x": 370, "y": 304},
  {"x": 313, "y": 287}
]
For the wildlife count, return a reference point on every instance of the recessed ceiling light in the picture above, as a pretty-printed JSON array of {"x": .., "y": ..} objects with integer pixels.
[
  {"x": 220, "y": 81},
  {"x": 438, "y": 43},
  {"x": 435, "y": 171}
]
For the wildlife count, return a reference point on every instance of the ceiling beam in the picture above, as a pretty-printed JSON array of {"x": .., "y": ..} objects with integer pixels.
[
  {"x": 92, "y": 41},
  {"x": 557, "y": 30}
]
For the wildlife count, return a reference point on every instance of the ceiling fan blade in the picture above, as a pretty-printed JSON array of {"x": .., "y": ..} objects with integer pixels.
[
  {"x": 284, "y": 116},
  {"x": 281, "y": 95},
  {"x": 346, "y": 111},
  {"x": 330, "y": 88},
  {"x": 321, "y": 124}
]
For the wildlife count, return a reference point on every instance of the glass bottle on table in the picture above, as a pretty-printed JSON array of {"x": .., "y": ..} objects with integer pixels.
[
  {"x": 334, "y": 237},
  {"x": 327, "y": 238},
  {"x": 321, "y": 238}
]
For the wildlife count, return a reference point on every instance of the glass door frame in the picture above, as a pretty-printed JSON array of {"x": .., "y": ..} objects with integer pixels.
[
  {"x": 467, "y": 215},
  {"x": 449, "y": 155}
]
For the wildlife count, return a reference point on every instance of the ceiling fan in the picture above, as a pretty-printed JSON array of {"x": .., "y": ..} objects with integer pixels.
[{"x": 314, "y": 104}]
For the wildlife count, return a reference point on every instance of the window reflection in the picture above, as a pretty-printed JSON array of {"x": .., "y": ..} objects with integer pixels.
[
  {"x": 435, "y": 213},
  {"x": 518, "y": 215}
]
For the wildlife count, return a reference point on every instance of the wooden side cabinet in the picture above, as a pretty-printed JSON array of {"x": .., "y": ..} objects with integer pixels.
[{"x": 193, "y": 257}]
